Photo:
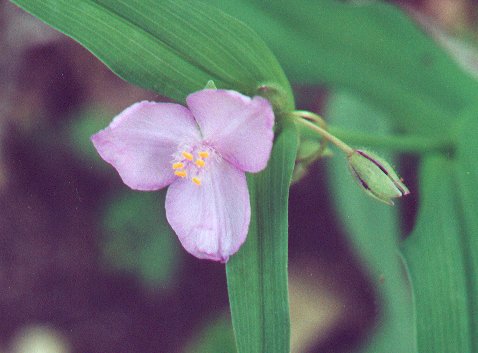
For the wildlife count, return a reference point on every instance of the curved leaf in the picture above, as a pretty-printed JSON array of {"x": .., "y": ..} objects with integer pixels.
[
  {"x": 171, "y": 47},
  {"x": 372, "y": 49}
]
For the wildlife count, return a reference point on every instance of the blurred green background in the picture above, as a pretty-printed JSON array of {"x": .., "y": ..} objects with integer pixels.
[{"x": 86, "y": 265}]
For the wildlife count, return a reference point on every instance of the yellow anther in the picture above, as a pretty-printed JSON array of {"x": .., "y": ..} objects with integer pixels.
[
  {"x": 187, "y": 155},
  {"x": 196, "y": 181},
  {"x": 178, "y": 165},
  {"x": 203, "y": 154},
  {"x": 200, "y": 163},
  {"x": 180, "y": 173}
]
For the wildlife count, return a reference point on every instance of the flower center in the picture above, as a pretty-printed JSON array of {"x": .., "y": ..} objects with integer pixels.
[{"x": 190, "y": 162}]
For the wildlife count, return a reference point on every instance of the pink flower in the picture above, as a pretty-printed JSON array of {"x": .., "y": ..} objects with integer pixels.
[{"x": 202, "y": 153}]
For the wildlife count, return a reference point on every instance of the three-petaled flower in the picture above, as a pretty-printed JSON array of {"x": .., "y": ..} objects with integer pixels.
[{"x": 202, "y": 153}]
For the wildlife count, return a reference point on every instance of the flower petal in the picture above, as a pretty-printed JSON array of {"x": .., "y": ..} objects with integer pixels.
[
  {"x": 239, "y": 128},
  {"x": 141, "y": 140},
  {"x": 211, "y": 220}
]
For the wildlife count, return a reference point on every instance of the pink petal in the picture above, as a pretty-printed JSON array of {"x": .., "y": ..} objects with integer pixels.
[
  {"x": 239, "y": 128},
  {"x": 211, "y": 220},
  {"x": 141, "y": 140}
]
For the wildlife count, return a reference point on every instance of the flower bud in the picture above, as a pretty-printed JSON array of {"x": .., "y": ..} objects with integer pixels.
[{"x": 376, "y": 176}]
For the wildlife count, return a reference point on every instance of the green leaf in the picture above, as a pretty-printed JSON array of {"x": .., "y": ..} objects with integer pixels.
[
  {"x": 373, "y": 229},
  {"x": 372, "y": 49},
  {"x": 467, "y": 177},
  {"x": 257, "y": 274},
  {"x": 435, "y": 252},
  {"x": 139, "y": 239},
  {"x": 171, "y": 47}
]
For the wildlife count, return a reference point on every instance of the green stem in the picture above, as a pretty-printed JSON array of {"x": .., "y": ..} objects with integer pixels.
[
  {"x": 399, "y": 143},
  {"x": 328, "y": 136},
  {"x": 305, "y": 118}
]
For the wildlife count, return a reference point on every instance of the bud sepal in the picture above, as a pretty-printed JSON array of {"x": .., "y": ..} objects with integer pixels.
[{"x": 376, "y": 177}]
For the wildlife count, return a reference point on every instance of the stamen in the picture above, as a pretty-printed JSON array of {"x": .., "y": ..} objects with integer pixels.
[
  {"x": 196, "y": 181},
  {"x": 187, "y": 155},
  {"x": 203, "y": 154},
  {"x": 200, "y": 163},
  {"x": 178, "y": 165},
  {"x": 180, "y": 173}
]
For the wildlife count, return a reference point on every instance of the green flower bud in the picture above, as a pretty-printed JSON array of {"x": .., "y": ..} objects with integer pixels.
[{"x": 376, "y": 176}]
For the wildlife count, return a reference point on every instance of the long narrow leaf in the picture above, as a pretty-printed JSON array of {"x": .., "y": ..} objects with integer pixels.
[
  {"x": 372, "y": 48},
  {"x": 257, "y": 274},
  {"x": 171, "y": 47},
  {"x": 435, "y": 254},
  {"x": 467, "y": 177}
]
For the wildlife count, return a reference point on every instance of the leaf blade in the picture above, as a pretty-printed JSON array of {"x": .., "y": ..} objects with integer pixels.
[
  {"x": 467, "y": 176},
  {"x": 372, "y": 49},
  {"x": 149, "y": 43},
  {"x": 435, "y": 257},
  {"x": 257, "y": 274}
]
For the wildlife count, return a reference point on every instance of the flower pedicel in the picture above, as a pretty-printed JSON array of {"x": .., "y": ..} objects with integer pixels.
[{"x": 373, "y": 174}]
